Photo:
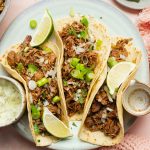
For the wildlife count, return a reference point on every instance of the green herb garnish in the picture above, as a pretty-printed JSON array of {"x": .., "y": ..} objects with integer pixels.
[
  {"x": 99, "y": 44},
  {"x": 56, "y": 99},
  {"x": 36, "y": 129},
  {"x": 38, "y": 140},
  {"x": 65, "y": 83},
  {"x": 91, "y": 47},
  {"x": 80, "y": 67},
  {"x": 45, "y": 48},
  {"x": 111, "y": 62},
  {"x": 89, "y": 76},
  {"x": 44, "y": 95},
  {"x": 80, "y": 71},
  {"x": 71, "y": 13},
  {"x": 20, "y": 67},
  {"x": 32, "y": 68},
  {"x": 74, "y": 62},
  {"x": 42, "y": 82},
  {"x": 83, "y": 35},
  {"x": 77, "y": 74},
  {"x": 35, "y": 112},
  {"x": 74, "y": 124},
  {"x": 81, "y": 100},
  {"x": 72, "y": 31},
  {"x": 84, "y": 21},
  {"x": 33, "y": 24}
]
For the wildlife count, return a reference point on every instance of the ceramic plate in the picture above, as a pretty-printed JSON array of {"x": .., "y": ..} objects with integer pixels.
[
  {"x": 134, "y": 5},
  {"x": 117, "y": 24}
]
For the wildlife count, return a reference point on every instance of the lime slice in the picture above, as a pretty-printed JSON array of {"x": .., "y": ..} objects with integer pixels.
[
  {"x": 44, "y": 30},
  {"x": 117, "y": 75},
  {"x": 55, "y": 126}
]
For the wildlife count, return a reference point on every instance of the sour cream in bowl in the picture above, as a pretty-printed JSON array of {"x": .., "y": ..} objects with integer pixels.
[{"x": 12, "y": 101}]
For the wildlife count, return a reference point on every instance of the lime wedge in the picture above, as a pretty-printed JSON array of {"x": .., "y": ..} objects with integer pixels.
[
  {"x": 117, "y": 75},
  {"x": 55, "y": 126},
  {"x": 44, "y": 30}
]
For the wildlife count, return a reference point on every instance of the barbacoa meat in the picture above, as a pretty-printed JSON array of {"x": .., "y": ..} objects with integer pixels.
[
  {"x": 119, "y": 51},
  {"x": 103, "y": 116},
  {"x": 42, "y": 62},
  {"x": 71, "y": 40}
]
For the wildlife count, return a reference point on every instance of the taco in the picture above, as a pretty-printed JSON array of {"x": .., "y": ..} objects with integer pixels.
[
  {"x": 36, "y": 68},
  {"x": 102, "y": 122},
  {"x": 86, "y": 48}
]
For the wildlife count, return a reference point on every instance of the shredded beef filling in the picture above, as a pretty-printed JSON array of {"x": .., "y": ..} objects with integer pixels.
[
  {"x": 119, "y": 51},
  {"x": 71, "y": 40},
  {"x": 103, "y": 116},
  {"x": 43, "y": 62}
]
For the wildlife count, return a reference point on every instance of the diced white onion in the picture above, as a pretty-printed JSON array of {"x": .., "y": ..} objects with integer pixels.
[
  {"x": 71, "y": 83},
  {"x": 69, "y": 60},
  {"x": 51, "y": 73},
  {"x": 78, "y": 49},
  {"x": 30, "y": 75},
  {"x": 92, "y": 39},
  {"x": 122, "y": 56},
  {"x": 46, "y": 103},
  {"x": 103, "y": 120},
  {"x": 46, "y": 62},
  {"x": 77, "y": 95},
  {"x": 41, "y": 60},
  {"x": 32, "y": 84},
  {"x": 109, "y": 109},
  {"x": 104, "y": 115},
  {"x": 79, "y": 91}
]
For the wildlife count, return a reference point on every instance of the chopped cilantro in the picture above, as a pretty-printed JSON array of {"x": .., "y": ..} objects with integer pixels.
[
  {"x": 72, "y": 31},
  {"x": 74, "y": 124},
  {"x": 84, "y": 21}
]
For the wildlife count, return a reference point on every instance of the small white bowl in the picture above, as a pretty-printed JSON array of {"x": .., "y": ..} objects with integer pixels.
[
  {"x": 23, "y": 99},
  {"x": 136, "y": 98}
]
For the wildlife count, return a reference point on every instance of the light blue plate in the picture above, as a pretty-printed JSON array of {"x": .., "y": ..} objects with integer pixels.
[
  {"x": 134, "y": 5},
  {"x": 117, "y": 23}
]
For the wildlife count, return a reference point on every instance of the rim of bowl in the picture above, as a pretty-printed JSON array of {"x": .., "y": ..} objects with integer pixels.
[
  {"x": 134, "y": 113},
  {"x": 23, "y": 99}
]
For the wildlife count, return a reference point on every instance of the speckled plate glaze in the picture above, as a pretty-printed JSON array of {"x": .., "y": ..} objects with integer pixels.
[
  {"x": 134, "y": 5},
  {"x": 117, "y": 23}
]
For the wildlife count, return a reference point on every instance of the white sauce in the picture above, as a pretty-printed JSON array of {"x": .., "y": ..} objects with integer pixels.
[
  {"x": 10, "y": 102},
  {"x": 139, "y": 100}
]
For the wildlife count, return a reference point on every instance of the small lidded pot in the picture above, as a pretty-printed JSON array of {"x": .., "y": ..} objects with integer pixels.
[{"x": 136, "y": 98}]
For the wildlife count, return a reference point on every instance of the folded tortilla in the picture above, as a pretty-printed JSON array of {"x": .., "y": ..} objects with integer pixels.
[
  {"x": 39, "y": 139},
  {"x": 99, "y": 33},
  {"x": 98, "y": 137}
]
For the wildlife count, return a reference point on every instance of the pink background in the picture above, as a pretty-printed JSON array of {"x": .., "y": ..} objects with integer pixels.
[{"x": 9, "y": 138}]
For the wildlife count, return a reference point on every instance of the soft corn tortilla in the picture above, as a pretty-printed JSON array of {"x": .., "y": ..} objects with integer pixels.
[
  {"x": 100, "y": 32},
  {"x": 98, "y": 137},
  {"x": 39, "y": 140}
]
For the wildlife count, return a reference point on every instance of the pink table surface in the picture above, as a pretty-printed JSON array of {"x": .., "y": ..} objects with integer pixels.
[{"x": 9, "y": 138}]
